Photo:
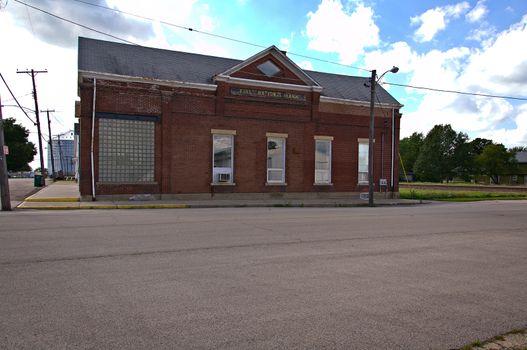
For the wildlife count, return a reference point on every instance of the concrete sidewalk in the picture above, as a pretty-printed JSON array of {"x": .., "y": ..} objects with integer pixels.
[{"x": 65, "y": 195}]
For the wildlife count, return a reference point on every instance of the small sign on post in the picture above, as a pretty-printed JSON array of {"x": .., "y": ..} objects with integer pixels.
[{"x": 6, "y": 150}]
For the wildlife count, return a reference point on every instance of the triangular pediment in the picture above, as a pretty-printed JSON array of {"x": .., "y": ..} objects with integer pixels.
[{"x": 271, "y": 65}]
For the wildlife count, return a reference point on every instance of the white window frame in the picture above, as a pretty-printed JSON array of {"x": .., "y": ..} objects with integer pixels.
[
  {"x": 281, "y": 138},
  {"x": 365, "y": 143},
  {"x": 217, "y": 171},
  {"x": 329, "y": 140}
]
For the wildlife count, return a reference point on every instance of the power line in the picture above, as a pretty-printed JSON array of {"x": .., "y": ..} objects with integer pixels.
[
  {"x": 14, "y": 98},
  {"x": 57, "y": 120},
  {"x": 247, "y": 43},
  {"x": 459, "y": 92},
  {"x": 11, "y": 99},
  {"x": 194, "y": 30},
  {"x": 217, "y": 35},
  {"x": 30, "y": 22},
  {"x": 25, "y": 108},
  {"x": 77, "y": 24}
]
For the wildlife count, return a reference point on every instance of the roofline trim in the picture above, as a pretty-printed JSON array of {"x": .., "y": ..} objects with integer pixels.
[
  {"x": 356, "y": 102},
  {"x": 131, "y": 79},
  {"x": 280, "y": 56},
  {"x": 268, "y": 84}
]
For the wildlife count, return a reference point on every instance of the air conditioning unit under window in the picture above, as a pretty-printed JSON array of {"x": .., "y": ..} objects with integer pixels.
[{"x": 224, "y": 177}]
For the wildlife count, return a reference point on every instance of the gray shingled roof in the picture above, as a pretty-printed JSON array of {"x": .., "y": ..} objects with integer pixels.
[
  {"x": 521, "y": 157},
  {"x": 139, "y": 61}
]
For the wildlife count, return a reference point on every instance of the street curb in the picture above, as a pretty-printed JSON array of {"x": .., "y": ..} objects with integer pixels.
[
  {"x": 85, "y": 205},
  {"x": 152, "y": 206},
  {"x": 102, "y": 206},
  {"x": 48, "y": 207},
  {"x": 52, "y": 199}
]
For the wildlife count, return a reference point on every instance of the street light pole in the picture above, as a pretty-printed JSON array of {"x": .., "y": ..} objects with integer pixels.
[{"x": 371, "y": 136}]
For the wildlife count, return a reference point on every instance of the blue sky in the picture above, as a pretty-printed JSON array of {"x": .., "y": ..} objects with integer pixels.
[{"x": 474, "y": 46}]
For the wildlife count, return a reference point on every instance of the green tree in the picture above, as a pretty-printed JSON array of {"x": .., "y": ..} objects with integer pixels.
[
  {"x": 518, "y": 149},
  {"x": 409, "y": 149},
  {"x": 496, "y": 160},
  {"x": 465, "y": 155},
  {"x": 21, "y": 151},
  {"x": 478, "y": 144},
  {"x": 436, "y": 160},
  {"x": 462, "y": 157}
]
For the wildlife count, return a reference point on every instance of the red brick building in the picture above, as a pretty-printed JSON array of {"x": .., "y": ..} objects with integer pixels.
[{"x": 175, "y": 124}]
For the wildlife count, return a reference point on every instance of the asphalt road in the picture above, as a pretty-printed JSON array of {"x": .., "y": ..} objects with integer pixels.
[
  {"x": 424, "y": 277},
  {"x": 20, "y": 188}
]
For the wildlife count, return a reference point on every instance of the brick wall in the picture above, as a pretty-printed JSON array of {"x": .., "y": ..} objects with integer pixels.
[{"x": 184, "y": 140}]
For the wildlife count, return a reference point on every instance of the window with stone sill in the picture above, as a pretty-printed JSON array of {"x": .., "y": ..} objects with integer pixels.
[
  {"x": 363, "y": 162},
  {"x": 276, "y": 160},
  {"x": 322, "y": 161},
  {"x": 222, "y": 159}
]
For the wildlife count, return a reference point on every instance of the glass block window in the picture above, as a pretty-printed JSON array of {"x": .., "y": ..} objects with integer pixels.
[
  {"x": 222, "y": 158},
  {"x": 269, "y": 68},
  {"x": 275, "y": 159},
  {"x": 363, "y": 161},
  {"x": 322, "y": 161},
  {"x": 126, "y": 150}
]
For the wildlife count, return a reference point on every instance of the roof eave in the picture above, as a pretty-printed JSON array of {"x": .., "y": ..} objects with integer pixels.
[
  {"x": 132, "y": 79},
  {"x": 358, "y": 103}
]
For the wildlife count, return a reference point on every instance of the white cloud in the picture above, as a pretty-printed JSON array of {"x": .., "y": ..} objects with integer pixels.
[
  {"x": 206, "y": 23},
  {"x": 57, "y": 32},
  {"x": 399, "y": 54},
  {"x": 57, "y": 52},
  {"x": 511, "y": 137},
  {"x": 482, "y": 34},
  {"x": 435, "y": 20},
  {"x": 498, "y": 67},
  {"x": 307, "y": 65},
  {"x": 55, "y": 89},
  {"x": 333, "y": 29},
  {"x": 478, "y": 12},
  {"x": 473, "y": 115},
  {"x": 165, "y": 10},
  {"x": 438, "y": 68},
  {"x": 285, "y": 43}
]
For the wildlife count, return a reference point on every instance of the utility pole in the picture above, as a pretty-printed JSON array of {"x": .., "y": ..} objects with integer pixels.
[
  {"x": 373, "y": 82},
  {"x": 51, "y": 144},
  {"x": 32, "y": 73},
  {"x": 5, "y": 198},
  {"x": 60, "y": 155}
]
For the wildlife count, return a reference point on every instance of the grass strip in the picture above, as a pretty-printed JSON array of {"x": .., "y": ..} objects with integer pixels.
[{"x": 458, "y": 196}]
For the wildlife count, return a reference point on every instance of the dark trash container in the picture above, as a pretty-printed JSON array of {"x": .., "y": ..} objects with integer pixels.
[{"x": 38, "y": 180}]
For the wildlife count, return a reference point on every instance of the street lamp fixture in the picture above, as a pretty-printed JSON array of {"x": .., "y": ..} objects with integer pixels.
[{"x": 374, "y": 81}]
